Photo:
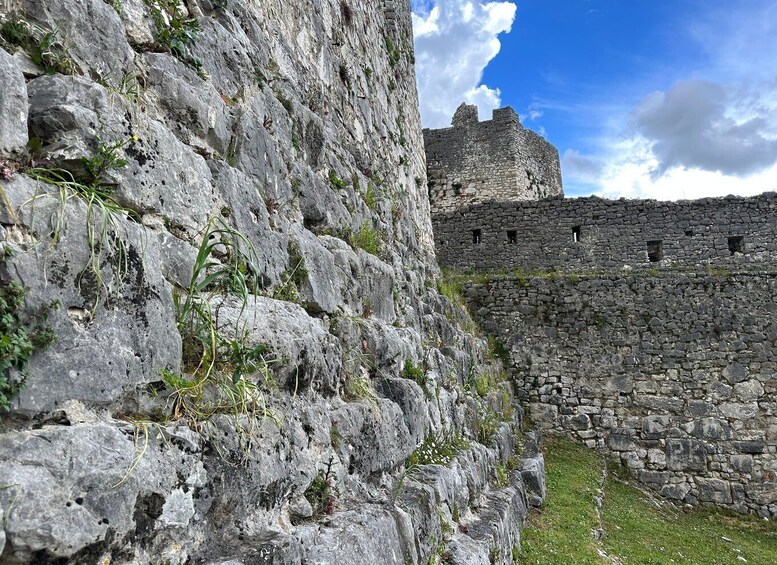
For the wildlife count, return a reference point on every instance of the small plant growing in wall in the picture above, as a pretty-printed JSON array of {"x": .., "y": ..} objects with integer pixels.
[
  {"x": 217, "y": 367},
  {"x": 322, "y": 494},
  {"x": 47, "y": 49},
  {"x": 368, "y": 238},
  {"x": 175, "y": 32},
  {"x": 21, "y": 335},
  {"x": 415, "y": 373},
  {"x": 336, "y": 181},
  {"x": 438, "y": 449}
]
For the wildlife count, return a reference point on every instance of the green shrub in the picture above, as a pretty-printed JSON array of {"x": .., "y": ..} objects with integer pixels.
[
  {"x": 368, "y": 238},
  {"x": 174, "y": 30},
  {"x": 370, "y": 198},
  {"x": 392, "y": 50},
  {"x": 336, "y": 181},
  {"x": 415, "y": 373},
  {"x": 502, "y": 477}
]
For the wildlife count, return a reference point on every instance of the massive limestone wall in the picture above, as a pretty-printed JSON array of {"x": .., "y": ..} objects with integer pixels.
[
  {"x": 497, "y": 159},
  {"x": 674, "y": 374},
  {"x": 595, "y": 234},
  {"x": 224, "y": 205}
]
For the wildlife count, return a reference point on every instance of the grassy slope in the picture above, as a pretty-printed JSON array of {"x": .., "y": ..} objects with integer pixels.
[{"x": 638, "y": 531}]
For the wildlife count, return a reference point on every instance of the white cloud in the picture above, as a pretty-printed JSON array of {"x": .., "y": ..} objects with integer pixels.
[
  {"x": 713, "y": 134},
  {"x": 454, "y": 42}
]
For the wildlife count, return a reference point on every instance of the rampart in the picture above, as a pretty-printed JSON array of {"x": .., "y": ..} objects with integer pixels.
[
  {"x": 498, "y": 159},
  {"x": 595, "y": 234},
  {"x": 672, "y": 373}
]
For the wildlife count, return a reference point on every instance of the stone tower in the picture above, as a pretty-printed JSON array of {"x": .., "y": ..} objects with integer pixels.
[{"x": 495, "y": 160}]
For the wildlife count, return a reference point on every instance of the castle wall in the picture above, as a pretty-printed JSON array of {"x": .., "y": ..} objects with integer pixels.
[
  {"x": 673, "y": 374},
  {"x": 611, "y": 234},
  {"x": 497, "y": 159}
]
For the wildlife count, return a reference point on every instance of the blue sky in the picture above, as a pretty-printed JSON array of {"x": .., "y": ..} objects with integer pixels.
[{"x": 643, "y": 98}]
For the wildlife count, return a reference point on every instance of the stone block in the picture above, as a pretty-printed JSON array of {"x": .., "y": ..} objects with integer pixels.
[
  {"x": 762, "y": 493},
  {"x": 742, "y": 463},
  {"x": 709, "y": 428},
  {"x": 735, "y": 373},
  {"x": 621, "y": 440},
  {"x": 686, "y": 455},
  {"x": 676, "y": 491},
  {"x": 749, "y": 390},
  {"x": 714, "y": 490},
  {"x": 655, "y": 427},
  {"x": 533, "y": 475},
  {"x": 653, "y": 477},
  {"x": 739, "y": 410},
  {"x": 543, "y": 414}
]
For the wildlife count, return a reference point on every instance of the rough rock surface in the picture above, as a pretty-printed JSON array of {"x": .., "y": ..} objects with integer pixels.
[
  {"x": 246, "y": 178},
  {"x": 13, "y": 106}
]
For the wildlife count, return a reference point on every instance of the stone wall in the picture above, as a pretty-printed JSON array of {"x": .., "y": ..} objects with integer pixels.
[
  {"x": 497, "y": 159},
  {"x": 284, "y": 138},
  {"x": 595, "y": 234},
  {"x": 675, "y": 374}
]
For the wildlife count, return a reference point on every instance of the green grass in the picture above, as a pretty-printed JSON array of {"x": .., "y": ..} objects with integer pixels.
[
  {"x": 561, "y": 533},
  {"x": 637, "y": 529},
  {"x": 668, "y": 535}
]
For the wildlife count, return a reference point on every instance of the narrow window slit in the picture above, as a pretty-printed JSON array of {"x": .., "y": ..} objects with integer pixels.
[
  {"x": 736, "y": 244},
  {"x": 476, "y": 236},
  {"x": 512, "y": 236},
  {"x": 576, "y": 234},
  {"x": 655, "y": 250}
]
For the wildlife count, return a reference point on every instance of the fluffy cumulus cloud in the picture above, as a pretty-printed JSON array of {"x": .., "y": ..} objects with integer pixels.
[
  {"x": 454, "y": 41},
  {"x": 690, "y": 126},
  {"x": 709, "y": 136},
  {"x": 698, "y": 138}
]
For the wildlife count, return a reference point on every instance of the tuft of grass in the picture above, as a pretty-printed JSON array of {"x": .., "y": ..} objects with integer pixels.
[
  {"x": 222, "y": 375},
  {"x": 357, "y": 386},
  {"x": 485, "y": 426},
  {"x": 368, "y": 238},
  {"x": 295, "y": 275},
  {"x": 715, "y": 271},
  {"x": 370, "y": 198},
  {"x": 47, "y": 49},
  {"x": 393, "y": 52},
  {"x": 502, "y": 478},
  {"x": 438, "y": 449},
  {"x": 104, "y": 225}
]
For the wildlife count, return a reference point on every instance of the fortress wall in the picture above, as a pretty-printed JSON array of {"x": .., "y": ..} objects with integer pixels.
[
  {"x": 612, "y": 234},
  {"x": 497, "y": 159},
  {"x": 676, "y": 375}
]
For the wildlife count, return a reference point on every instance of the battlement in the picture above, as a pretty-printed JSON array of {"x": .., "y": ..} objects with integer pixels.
[
  {"x": 473, "y": 162},
  {"x": 589, "y": 234}
]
